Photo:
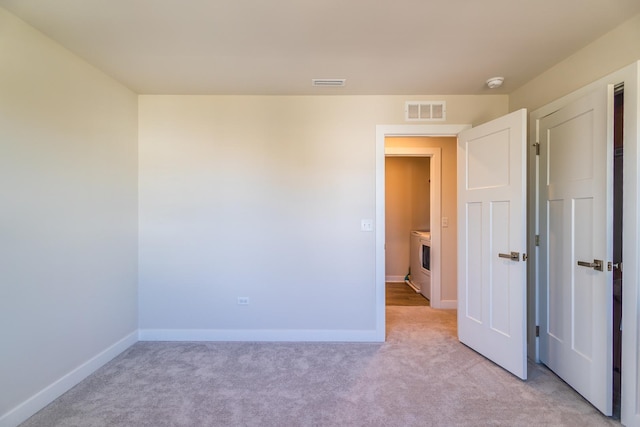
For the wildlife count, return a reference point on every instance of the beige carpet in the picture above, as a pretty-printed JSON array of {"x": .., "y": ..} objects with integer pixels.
[{"x": 421, "y": 376}]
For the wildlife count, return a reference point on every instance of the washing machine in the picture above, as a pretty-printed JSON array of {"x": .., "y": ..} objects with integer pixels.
[{"x": 420, "y": 253}]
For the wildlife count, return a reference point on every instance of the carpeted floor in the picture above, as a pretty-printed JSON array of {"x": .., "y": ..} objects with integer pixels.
[{"x": 422, "y": 376}]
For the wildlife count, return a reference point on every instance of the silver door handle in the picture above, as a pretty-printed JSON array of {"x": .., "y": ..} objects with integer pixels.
[
  {"x": 513, "y": 256},
  {"x": 596, "y": 264}
]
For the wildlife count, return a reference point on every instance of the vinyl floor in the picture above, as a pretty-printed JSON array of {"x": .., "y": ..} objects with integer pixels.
[{"x": 400, "y": 294}]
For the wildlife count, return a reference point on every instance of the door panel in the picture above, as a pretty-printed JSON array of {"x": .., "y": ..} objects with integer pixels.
[
  {"x": 488, "y": 165},
  {"x": 492, "y": 225},
  {"x": 500, "y": 268},
  {"x": 576, "y": 207},
  {"x": 473, "y": 259},
  {"x": 556, "y": 295},
  {"x": 583, "y": 283}
]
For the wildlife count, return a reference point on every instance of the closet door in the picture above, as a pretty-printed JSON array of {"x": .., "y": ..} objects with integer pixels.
[{"x": 576, "y": 210}]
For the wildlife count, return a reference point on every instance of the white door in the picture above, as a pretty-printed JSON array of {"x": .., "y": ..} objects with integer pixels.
[
  {"x": 492, "y": 241},
  {"x": 576, "y": 205}
]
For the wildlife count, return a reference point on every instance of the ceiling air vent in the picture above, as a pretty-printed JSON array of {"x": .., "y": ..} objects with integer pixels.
[
  {"x": 328, "y": 82},
  {"x": 425, "y": 111}
]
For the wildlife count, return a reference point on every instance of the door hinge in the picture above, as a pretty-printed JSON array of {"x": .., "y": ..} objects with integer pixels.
[
  {"x": 537, "y": 147},
  {"x": 537, "y": 240},
  {"x": 537, "y": 331}
]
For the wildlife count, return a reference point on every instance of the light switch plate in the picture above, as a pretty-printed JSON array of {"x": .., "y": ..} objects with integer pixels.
[{"x": 366, "y": 225}]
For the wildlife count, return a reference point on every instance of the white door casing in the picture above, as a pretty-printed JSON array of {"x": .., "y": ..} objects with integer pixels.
[
  {"x": 492, "y": 227},
  {"x": 576, "y": 211}
]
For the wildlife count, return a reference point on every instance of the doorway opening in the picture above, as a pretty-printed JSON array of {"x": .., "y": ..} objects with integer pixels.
[
  {"x": 597, "y": 232},
  {"x": 382, "y": 133},
  {"x": 418, "y": 172},
  {"x": 618, "y": 156},
  {"x": 407, "y": 198}
]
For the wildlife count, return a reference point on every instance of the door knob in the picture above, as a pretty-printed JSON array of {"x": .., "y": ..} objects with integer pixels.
[
  {"x": 513, "y": 256},
  {"x": 596, "y": 264}
]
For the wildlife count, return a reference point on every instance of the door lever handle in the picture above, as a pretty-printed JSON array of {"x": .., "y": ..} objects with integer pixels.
[
  {"x": 513, "y": 256},
  {"x": 596, "y": 264}
]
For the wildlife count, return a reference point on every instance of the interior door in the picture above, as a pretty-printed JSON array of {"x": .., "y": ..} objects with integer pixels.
[
  {"x": 576, "y": 208},
  {"x": 492, "y": 241}
]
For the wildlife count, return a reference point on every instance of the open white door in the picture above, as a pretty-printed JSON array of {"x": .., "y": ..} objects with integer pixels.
[
  {"x": 576, "y": 210},
  {"x": 492, "y": 241}
]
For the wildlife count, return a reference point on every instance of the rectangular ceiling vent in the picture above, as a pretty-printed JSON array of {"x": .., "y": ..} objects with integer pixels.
[
  {"x": 328, "y": 82},
  {"x": 425, "y": 111}
]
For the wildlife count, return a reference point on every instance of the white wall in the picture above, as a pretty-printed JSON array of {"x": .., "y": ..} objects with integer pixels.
[
  {"x": 262, "y": 197},
  {"x": 67, "y": 219}
]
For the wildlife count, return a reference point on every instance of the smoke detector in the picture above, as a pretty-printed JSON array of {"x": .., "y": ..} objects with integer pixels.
[{"x": 495, "y": 82}]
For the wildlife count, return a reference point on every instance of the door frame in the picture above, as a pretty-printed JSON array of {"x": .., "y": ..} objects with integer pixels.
[
  {"x": 630, "y": 76},
  {"x": 382, "y": 132}
]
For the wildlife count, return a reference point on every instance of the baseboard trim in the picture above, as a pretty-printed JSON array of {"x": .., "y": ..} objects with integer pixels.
[
  {"x": 394, "y": 279},
  {"x": 56, "y": 389},
  {"x": 268, "y": 335},
  {"x": 412, "y": 286},
  {"x": 448, "y": 304}
]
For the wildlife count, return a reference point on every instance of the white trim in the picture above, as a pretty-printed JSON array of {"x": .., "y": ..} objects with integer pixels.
[
  {"x": 533, "y": 229},
  {"x": 631, "y": 249},
  {"x": 56, "y": 389},
  {"x": 448, "y": 304},
  {"x": 394, "y": 279},
  {"x": 383, "y": 131},
  {"x": 412, "y": 286},
  {"x": 418, "y": 130},
  {"x": 263, "y": 335}
]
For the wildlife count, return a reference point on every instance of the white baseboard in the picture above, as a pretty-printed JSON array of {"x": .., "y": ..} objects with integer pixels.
[
  {"x": 447, "y": 304},
  {"x": 267, "y": 335},
  {"x": 412, "y": 286},
  {"x": 50, "y": 393},
  {"x": 394, "y": 279}
]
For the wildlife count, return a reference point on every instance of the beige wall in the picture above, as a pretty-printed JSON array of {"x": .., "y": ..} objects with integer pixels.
[
  {"x": 286, "y": 178},
  {"x": 68, "y": 197},
  {"x": 611, "y": 52},
  {"x": 407, "y": 205},
  {"x": 448, "y": 204}
]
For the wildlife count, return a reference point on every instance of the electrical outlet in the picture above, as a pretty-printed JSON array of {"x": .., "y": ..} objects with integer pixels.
[{"x": 243, "y": 300}]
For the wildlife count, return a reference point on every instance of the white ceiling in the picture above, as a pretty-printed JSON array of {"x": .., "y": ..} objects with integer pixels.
[{"x": 278, "y": 46}]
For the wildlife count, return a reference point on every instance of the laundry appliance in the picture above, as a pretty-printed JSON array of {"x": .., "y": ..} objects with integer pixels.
[{"x": 420, "y": 264}]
